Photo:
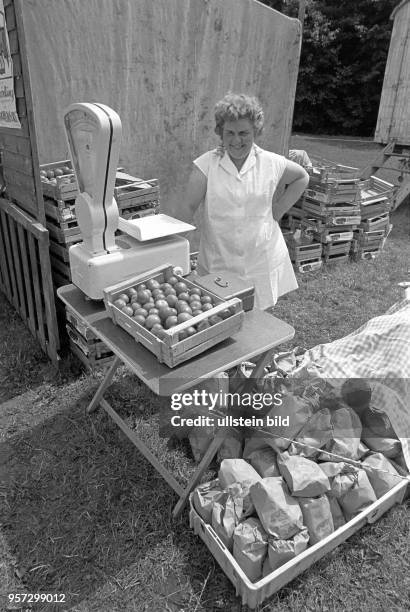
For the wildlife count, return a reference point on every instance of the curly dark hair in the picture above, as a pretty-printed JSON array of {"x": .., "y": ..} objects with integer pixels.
[{"x": 238, "y": 106}]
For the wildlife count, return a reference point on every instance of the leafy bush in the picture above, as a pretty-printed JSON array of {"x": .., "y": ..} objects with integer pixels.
[{"x": 344, "y": 53}]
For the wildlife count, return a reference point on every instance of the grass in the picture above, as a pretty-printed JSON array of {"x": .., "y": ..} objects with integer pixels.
[{"x": 82, "y": 513}]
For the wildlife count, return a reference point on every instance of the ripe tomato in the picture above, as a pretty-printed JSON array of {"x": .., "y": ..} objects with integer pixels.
[
  {"x": 180, "y": 287},
  {"x": 151, "y": 320},
  {"x": 170, "y": 322},
  {"x": 144, "y": 296}
]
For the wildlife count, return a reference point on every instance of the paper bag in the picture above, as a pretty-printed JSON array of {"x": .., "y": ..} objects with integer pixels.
[
  {"x": 226, "y": 514},
  {"x": 264, "y": 461},
  {"x": 337, "y": 513},
  {"x": 389, "y": 447},
  {"x": 291, "y": 416},
  {"x": 282, "y": 551},
  {"x": 353, "y": 492},
  {"x": 279, "y": 513},
  {"x": 383, "y": 476},
  {"x": 236, "y": 470},
  {"x": 347, "y": 430},
  {"x": 314, "y": 436},
  {"x": 250, "y": 547},
  {"x": 203, "y": 498},
  {"x": 317, "y": 517},
  {"x": 231, "y": 447},
  {"x": 303, "y": 476}
]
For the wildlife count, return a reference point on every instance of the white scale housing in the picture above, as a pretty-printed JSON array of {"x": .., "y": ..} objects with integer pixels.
[{"x": 103, "y": 259}]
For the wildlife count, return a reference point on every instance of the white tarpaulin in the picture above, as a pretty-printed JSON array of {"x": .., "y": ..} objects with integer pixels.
[{"x": 161, "y": 65}]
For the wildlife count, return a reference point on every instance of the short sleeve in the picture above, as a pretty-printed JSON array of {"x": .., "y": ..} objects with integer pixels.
[
  {"x": 279, "y": 164},
  {"x": 202, "y": 162}
]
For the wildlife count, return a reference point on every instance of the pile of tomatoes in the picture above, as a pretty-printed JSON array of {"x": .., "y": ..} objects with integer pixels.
[
  {"x": 51, "y": 174},
  {"x": 159, "y": 306}
]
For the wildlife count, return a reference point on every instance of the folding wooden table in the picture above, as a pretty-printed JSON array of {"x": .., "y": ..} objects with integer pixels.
[{"x": 261, "y": 332}]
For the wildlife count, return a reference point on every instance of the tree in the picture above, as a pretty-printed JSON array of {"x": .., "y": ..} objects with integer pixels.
[{"x": 344, "y": 52}]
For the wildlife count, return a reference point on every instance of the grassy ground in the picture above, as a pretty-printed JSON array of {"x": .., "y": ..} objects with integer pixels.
[{"x": 82, "y": 513}]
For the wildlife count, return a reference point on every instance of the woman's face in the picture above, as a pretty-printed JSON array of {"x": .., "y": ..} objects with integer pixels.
[{"x": 238, "y": 137}]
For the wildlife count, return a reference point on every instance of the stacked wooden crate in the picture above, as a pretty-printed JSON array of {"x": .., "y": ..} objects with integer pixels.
[
  {"x": 305, "y": 252},
  {"x": 59, "y": 191},
  {"x": 135, "y": 198},
  {"x": 83, "y": 343},
  {"x": 331, "y": 204},
  {"x": 376, "y": 198}
]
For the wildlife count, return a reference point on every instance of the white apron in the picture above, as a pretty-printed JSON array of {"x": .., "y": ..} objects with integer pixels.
[{"x": 238, "y": 232}]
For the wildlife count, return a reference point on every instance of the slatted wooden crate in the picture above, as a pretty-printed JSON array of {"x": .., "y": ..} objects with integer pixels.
[
  {"x": 300, "y": 253},
  {"x": 372, "y": 237},
  {"x": 366, "y": 251},
  {"x": 336, "y": 258},
  {"x": 375, "y": 223},
  {"x": 91, "y": 362},
  {"x": 62, "y": 187},
  {"x": 324, "y": 210},
  {"x": 325, "y": 234},
  {"x": 132, "y": 193},
  {"x": 336, "y": 248},
  {"x": 308, "y": 265},
  {"x": 168, "y": 348}
]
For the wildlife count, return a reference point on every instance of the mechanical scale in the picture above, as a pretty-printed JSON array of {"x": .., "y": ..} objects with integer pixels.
[{"x": 104, "y": 258}]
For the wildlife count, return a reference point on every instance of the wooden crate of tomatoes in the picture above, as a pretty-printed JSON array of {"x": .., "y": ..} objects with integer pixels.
[
  {"x": 172, "y": 316},
  {"x": 58, "y": 180}
]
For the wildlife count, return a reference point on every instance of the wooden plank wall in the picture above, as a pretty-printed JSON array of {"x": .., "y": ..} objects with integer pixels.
[
  {"x": 162, "y": 66},
  {"x": 25, "y": 275},
  {"x": 394, "y": 111},
  {"x": 19, "y": 147},
  {"x": 25, "y": 272}
]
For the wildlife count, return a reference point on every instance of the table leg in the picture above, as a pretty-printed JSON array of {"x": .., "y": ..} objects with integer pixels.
[
  {"x": 204, "y": 463},
  {"x": 93, "y": 405},
  {"x": 139, "y": 444}
]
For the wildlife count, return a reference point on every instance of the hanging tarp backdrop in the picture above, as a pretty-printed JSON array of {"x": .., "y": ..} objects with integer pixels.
[{"x": 162, "y": 65}]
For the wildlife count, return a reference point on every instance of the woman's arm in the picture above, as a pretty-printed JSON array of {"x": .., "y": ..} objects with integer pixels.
[
  {"x": 195, "y": 193},
  {"x": 296, "y": 180}
]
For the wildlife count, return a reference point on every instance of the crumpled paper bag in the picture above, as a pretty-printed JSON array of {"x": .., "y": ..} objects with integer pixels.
[
  {"x": 265, "y": 462},
  {"x": 353, "y": 492},
  {"x": 204, "y": 496},
  {"x": 314, "y": 436},
  {"x": 303, "y": 476},
  {"x": 279, "y": 513},
  {"x": 298, "y": 410},
  {"x": 381, "y": 481},
  {"x": 236, "y": 470},
  {"x": 226, "y": 514},
  {"x": 281, "y": 551},
  {"x": 317, "y": 517},
  {"x": 337, "y": 513},
  {"x": 347, "y": 430},
  {"x": 231, "y": 447},
  {"x": 250, "y": 547}
]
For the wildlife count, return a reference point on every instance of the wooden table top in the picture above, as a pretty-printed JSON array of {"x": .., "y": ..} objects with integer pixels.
[{"x": 260, "y": 332}]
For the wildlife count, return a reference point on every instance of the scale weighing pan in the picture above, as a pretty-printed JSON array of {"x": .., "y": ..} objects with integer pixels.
[{"x": 153, "y": 226}]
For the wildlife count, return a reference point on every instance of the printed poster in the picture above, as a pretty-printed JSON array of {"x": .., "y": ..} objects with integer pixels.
[{"x": 8, "y": 111}]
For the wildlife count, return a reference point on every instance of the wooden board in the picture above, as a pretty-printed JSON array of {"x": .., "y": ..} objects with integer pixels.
[
  {"x": 393, "y": 119},
  {"x": 25, "y": 274}
]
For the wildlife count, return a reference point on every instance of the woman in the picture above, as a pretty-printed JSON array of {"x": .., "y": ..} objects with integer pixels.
[{"x": 237, "y": 182}]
